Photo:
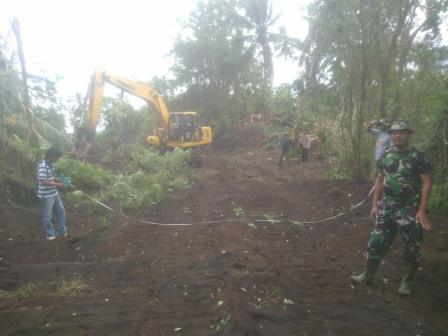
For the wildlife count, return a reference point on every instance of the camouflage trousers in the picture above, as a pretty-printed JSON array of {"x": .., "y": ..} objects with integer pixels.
[{"x": 395, "y": 219}]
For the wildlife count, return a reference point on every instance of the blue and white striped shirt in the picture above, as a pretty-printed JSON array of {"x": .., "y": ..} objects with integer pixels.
[{"x": 45, "y": 171}]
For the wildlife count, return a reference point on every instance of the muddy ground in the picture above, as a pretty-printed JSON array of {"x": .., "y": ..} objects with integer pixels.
[{"x": 247, "y": 264}]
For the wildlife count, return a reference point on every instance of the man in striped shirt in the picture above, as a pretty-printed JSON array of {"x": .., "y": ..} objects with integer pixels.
[{"x": 48, "y": 194}]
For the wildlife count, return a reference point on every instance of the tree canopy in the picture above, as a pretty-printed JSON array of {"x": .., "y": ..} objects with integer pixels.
[{"x": 361, "y": 60}]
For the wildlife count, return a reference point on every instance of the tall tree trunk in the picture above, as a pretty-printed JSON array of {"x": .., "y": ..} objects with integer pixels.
[
  {"x": 26, "y": 96},
  {"x": 268, "y": 65},
  {"x": 404, "y": 52},
  {"x": 363, "y": 87},
  {"x": 406, "y": 6}
]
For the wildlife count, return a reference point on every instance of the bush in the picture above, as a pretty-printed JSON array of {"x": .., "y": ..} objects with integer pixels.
[
  {"x": 84, "y": 175},
  {"x": 150, "y": 178},
  {"x": 134, "y": 191},
  {"x": 438, "y": 200},
  {"x": 173, "y": 162}
]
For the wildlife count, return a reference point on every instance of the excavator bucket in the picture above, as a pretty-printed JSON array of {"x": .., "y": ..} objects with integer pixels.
[{"x": 84, "y": 138}]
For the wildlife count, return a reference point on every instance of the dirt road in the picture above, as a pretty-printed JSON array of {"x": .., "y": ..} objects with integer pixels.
[{"x": 253, "y": 269}]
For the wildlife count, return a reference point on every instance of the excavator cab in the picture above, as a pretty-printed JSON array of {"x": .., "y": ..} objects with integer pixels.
[
  {"x": 185, "y": 126},
  {"x": 176, "y": 128}
]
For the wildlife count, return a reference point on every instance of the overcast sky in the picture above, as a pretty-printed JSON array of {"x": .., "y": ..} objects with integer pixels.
[{"x": 128, "y": 38}]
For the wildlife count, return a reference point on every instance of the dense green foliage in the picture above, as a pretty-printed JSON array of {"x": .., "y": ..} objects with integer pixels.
[
  {"x": 360, "y": 61},
  {"x": 370, "y": 60},
  {"x": 224, "y": 60},
  {"x": 148, "y": 177}
]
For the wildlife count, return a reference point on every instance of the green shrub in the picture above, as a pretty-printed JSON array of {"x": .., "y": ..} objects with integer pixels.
[
  {"x": 178, "y": 184},
  {"x": 438, "y": 199},
  {"x": 75, "y": 198},
  {"x": 149, "y": 178},
  {"x": 136, "y": 190},
  {"x": 84, "y": 176},
  {"x": 173, "y": 161},
  {"x": 25, "y": 292}
]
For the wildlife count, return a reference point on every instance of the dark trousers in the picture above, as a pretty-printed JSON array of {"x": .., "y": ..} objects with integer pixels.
[
  {"x": 305, "y": 154},
  {"x": 393, "y": 220},
  {"x": 284, "y": 154}
]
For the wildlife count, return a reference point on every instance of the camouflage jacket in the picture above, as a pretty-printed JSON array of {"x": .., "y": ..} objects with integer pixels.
[{"x": 401, "y": 171}]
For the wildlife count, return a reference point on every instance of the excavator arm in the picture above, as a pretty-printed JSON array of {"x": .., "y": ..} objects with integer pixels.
[
  {"x": 135, "y": 88},
  {"x": 86, "y": 134}
]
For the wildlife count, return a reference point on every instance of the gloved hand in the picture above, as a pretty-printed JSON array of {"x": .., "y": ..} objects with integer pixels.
[{"x": 66, "y": 180}]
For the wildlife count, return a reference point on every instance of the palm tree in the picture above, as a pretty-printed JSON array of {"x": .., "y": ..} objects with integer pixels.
[{"x": 259, "y": 18}]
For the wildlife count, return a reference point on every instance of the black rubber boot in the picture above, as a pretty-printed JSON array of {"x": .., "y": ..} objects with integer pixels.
[
  {"x": 367, "y": 277},
  {"x": 406, "y": 282}
]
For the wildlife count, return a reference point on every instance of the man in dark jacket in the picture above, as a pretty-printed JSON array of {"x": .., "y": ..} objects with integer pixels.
[{"x": 286, "y": 143}]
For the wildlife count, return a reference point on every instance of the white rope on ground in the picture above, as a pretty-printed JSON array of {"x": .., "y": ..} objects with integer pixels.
[
  {"x": 343, "y": 213},
  {"x": 332, "y": 217},
  {"x": 96, "y": 201},
  {"x": 189, "y": 224},
  {"x": 232, "y": 220}
]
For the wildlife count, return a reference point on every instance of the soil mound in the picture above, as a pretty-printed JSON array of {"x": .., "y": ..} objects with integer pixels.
[{"x": 239, "y": 139}]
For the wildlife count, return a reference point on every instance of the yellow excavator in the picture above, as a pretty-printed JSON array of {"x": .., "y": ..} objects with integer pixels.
[{"x": 179, "y": 129}]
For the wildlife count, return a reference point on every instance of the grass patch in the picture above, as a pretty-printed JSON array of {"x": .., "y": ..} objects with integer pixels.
[
  {"x": 221, "y": 323},
  {"x": 238, "y": 211},
  {"x": 71, "y": 287},
  {"x": 25, "y": 292}
]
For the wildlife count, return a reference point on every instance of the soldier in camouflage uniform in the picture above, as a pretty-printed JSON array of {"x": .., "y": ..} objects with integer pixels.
[{"x": 400, "y": 200}]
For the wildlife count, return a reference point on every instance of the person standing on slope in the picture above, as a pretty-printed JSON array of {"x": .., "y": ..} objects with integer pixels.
[
  {"x": 48, "y": 195},
  {"x": 305, "y": 144},
  {"x": 383, "y": 139},
  {"x": 286, "y": 143}
]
